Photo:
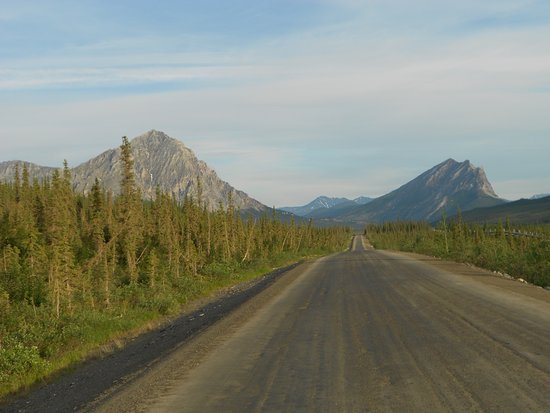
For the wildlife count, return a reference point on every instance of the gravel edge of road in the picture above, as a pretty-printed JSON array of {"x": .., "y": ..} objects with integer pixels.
[
  {"x": 154, "y": 389},
  {"x": 75, "y": 388},
  {"x": 481, "y": 275}
]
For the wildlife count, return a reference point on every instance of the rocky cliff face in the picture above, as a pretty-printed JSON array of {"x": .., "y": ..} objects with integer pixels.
[
  {"x": 7, "y": 170},
  {"x": 159, "y": 161},
  {"x": 447, "y": 187}
]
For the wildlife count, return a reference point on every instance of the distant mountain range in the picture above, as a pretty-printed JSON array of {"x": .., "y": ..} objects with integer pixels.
[
  {"x": 160, "y": 161},
  {"x": 325, "y": 203},
  {"x": 524, "y": 211},
  {"x": 538, "y": 196},
  {"x": 165, "y": 163},
  {"x": 445, "y": 188}
]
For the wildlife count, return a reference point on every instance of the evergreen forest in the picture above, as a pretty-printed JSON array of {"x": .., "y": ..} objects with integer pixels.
[
  {"x": 521, "y": 251},
  {"x": 81, "y": 270}
]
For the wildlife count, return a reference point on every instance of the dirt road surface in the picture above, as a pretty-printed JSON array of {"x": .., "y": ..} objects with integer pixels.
[
  {"x": 361, "y": 331},
  {"x": 364, "y": 330}
]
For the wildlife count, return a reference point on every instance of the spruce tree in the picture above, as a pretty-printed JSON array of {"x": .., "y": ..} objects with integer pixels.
[
  {"x": 130, "y": 211},
  {"x": 61, "y": 219}
]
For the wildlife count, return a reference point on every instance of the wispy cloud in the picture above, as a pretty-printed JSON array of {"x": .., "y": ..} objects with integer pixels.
[
  {"x": 348, "y": 96},
  {"x": 13, "y": 79}
]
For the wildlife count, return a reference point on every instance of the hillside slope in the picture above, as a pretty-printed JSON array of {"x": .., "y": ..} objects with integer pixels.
[
  {"x": 160, "y": 162},
  {"x": 447, "y": 187},
  {"x": 523, "y": 211}
]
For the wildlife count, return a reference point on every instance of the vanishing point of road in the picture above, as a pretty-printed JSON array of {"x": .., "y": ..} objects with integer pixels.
[{"x": 363, "y": 330}]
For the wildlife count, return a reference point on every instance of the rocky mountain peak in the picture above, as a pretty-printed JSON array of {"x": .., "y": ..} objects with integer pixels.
[
  {"x": 159, "y": 162},
  {"x": 165, "y": 163},
  {"x": 445, "y": 188},
  {"x": 155, "y": 137},
  {"x": 454, "y": 176}
]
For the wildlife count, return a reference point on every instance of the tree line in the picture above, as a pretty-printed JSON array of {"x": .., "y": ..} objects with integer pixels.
[
  {"x": 521, "y": 251},
  {"x": 72, "y": 264}
]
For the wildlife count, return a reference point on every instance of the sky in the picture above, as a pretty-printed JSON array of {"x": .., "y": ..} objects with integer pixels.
[{"x": 286, "y": 99}]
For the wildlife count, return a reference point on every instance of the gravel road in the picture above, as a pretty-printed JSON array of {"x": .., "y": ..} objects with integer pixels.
[{"x": 361, "y": 330}]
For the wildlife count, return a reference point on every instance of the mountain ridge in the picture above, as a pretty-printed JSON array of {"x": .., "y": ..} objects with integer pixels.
[
  {"x": 539, "y": 196},
  {"x": 324, "y": 202},
  {"x": 522, "y": 211},
  {"x": 445, "y": 188},
  {"x": 164, "y": 163},
  {"x": 159, "y": 162}
]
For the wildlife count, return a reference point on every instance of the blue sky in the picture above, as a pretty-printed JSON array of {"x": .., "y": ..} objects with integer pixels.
[{"x": 289, "y": 99}]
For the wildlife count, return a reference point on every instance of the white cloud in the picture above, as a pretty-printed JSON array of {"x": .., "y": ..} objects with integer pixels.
[{"x": 352, "y": 108}]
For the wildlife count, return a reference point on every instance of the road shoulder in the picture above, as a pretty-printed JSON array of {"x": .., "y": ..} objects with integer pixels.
[
  {"x": 140, "y": 392},
  {"x": 482, "y": 276}
]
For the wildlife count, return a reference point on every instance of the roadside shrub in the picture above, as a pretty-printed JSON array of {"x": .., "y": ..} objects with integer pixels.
[
  {"x": 18, "y": 360},
  {"x": 493, "y": 248}
]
